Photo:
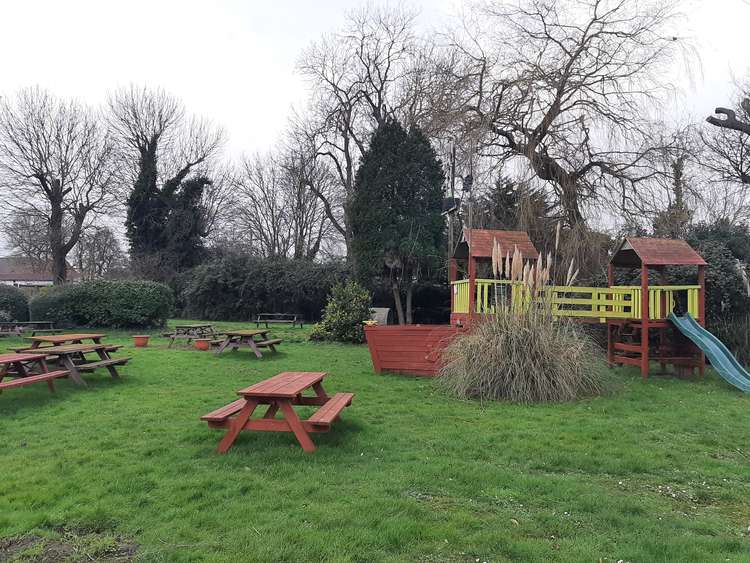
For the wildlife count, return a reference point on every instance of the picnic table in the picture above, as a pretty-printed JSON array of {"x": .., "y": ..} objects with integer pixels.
[
  {"x": 255, "y": 339},
  {"x": 62, "y": 339},
  {"x": 288, "y": 318},
  {"x": 26, "y": 369},
  {"x": 73, "y": 358},
  {"x": 281, "y": 393},
  {"x": 190, "y": 332},
  {"x": 17, "y": 328}
]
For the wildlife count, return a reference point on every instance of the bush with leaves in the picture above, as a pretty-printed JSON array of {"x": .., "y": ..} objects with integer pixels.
[
  {"x": 239, "y": 287},
  {"x": 135, "y": 304},
  {"x": 524, "y": 357},
  {"x": 14, "y": 306},
  {"x": 347, "y": 309}
]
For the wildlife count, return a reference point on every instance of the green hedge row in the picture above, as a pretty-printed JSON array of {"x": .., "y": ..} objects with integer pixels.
[
  {"x": 14, "y": 306},
  {"x": 135, "y": 304},
  {"x": 240, "y": 287}
]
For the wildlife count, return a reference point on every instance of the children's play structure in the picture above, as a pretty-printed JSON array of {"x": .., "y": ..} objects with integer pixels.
[{"x": 648, "y": 322}]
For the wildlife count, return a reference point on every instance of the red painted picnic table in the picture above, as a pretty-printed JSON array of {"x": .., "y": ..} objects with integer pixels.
[
  {"x": 281, "y": 393},
  {"x": 26, "y": 369}
]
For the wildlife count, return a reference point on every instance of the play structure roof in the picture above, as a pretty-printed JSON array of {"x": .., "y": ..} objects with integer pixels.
[
  {"x": 637, "y": 251},
  {"x": 478, "y": 243}
]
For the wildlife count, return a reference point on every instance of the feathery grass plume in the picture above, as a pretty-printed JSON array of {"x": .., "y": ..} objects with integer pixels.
[
  {"x": 500, "y": 261},
  {"x": 557, "y": 237},
  {"x": 494, "y": 257},
  {"x": 569, "y": 277},
  {"x": 507, "y": 265},
  {"x": 524, "y": 358}
]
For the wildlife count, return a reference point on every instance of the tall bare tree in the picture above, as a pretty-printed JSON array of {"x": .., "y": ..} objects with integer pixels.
[
  {"x": 55, "y": 165},
  {"x": 356, "y": 78},
  {"x": 97, "y": 253},
  {"x": 565, "y": 87}
]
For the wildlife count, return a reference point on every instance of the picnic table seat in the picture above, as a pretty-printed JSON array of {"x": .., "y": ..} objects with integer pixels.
[
  {"x": 330, "y": 411},
  {"x": 270, "y": 343},
  {"x": 21, "y": 381},
  {"x": 278, "y": 318},
  {"x": 91, "y": 366},
  {"x": 107, "y": 348},
  {"x": 220, "y": 415}
]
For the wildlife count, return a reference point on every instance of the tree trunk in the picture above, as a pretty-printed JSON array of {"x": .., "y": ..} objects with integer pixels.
[
  {"x": 397, "y": 300},
  {"x": 409, "y": 313},
  {"x": 57, "y": 245}
]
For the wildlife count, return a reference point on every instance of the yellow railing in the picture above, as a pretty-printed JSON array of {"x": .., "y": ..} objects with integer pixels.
[{"x": 619, "y": 302}]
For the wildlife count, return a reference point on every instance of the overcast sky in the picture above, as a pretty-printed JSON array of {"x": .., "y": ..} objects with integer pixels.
[{"x": 233, "y": 60}]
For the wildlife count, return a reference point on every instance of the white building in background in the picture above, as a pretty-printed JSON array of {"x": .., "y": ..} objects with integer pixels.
[{"x": 26, "y": 272}]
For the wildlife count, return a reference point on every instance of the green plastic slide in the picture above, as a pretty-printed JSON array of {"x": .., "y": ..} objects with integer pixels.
[{"x": 722, "y": 360}]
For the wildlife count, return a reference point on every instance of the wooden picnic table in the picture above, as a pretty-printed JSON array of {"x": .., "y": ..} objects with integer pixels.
[
  {"x": 26, "y": 369},
  {"x": 190, "y": 332},
  {"x": 281, "y": 393},
  {"x": 64, "y": 339},
  {"x": 255, "y": 339},
  {"x": 73, "y": 358},
  {"x": 17, "y": 328}
]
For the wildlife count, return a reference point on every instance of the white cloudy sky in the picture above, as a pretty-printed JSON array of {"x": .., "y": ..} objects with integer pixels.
[{"x": 233, "y": 60}]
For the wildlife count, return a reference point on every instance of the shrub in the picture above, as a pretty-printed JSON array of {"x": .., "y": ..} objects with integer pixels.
[
  {"x": 735, "y": 334},
  {"x": 136, "y": 304},
  {"x": 524, "y": 358},
  {"x": 347, "y": 309},
  {"x": 14, "y": 306},
  {"x": 240, "y": 287}
]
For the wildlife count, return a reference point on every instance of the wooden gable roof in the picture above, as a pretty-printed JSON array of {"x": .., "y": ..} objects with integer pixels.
[
  {"x": 637, "y": 251},
  {"x": 478, "y": 243}
]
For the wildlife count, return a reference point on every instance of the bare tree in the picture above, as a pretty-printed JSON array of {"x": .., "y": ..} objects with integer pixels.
[
  {"x": 729, "y": 140},
  {"x": 565, "y": 87},
  {"x": 160, "y": 147},
  {"x": 354, "y": 76},
  {"x": 97, "y": 253},
  {"x": 27, "y": 233},
  {"x": 55, "y": 164}
]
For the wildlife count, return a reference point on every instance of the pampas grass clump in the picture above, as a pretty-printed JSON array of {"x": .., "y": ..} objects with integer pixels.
[{"x": 527, "y": 358}]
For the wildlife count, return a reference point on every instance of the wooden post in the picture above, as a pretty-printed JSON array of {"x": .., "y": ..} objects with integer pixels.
[
  {"x": 472, "y": 285},
  {"x": 663, "y": 308},
  {"x": 452, "y": 275},
  {"x": 610, "y": 326},
  {"x": 702, "y": 313},
  {"x": 644, "y": 320}
]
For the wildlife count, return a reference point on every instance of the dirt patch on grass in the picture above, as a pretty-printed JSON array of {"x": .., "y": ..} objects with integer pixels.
[{"x": 69, "y": 546}]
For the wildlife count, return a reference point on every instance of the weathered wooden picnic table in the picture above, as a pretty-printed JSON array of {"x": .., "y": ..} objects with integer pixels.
[
  {"x": 25, "y": 369},
  {"x": 73, "y": 358},
  {"x": 190, "y": 332},
  {"x": 17, "y": 328},
  {"x": 63, "y": 339},
  {"x": 281, "y": 393},
  {"x": 255, "y": 339}
]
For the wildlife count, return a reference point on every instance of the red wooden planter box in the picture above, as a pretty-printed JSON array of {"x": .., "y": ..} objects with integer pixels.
[{"x": 410, "y": 349}]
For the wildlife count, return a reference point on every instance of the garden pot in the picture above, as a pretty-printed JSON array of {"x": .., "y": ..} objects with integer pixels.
[
  {"x": 141, "y": 341},
  {"x": 202, "y": 344}
]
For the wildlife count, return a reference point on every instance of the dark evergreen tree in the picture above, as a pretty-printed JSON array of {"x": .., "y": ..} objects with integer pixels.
[
  {"x": 185, "y": 227},
  {"x": 397, "y": 227}
]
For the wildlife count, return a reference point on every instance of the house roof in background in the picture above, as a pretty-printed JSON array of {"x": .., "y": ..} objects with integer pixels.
[
  {"x": 479, "y": 243},
  {"x": 20, "y": 268},
  {"x": 634, "y": 251}
]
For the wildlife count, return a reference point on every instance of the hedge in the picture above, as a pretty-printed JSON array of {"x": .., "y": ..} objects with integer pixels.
[
  {"x": 240, "y": 287},
  {"x": 14, "y": 305},
  {"x": 117, "y": 304}
]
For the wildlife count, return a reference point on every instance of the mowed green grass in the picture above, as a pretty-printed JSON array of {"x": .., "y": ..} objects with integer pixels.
[{"x": 654, "y": 471}]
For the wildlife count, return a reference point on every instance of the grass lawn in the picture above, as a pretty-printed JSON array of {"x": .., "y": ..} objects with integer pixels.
[{"x": 655, "y": 471}]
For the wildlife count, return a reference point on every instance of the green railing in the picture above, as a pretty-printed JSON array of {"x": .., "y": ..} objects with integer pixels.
[{"x": 619, "y": 302}]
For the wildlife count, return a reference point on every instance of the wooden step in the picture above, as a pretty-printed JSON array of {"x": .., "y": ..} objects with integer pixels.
[
  {"x": 91, "y": 366},
  {"x": 222, "y": 414},
  {"x": 21, "y": 381},
  {"x": 326, "y": 414}
]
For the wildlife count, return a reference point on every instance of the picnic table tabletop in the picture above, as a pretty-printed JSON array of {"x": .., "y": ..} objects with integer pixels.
[
  {"x": 248, "y": 332},
  {"x": 21, "y": 357},
  {"x": 57, "y": 339},
  {"x": 287, "y": 384},
  {"x": 70, "y": 349},
  {"x": 204, "y": 325}
]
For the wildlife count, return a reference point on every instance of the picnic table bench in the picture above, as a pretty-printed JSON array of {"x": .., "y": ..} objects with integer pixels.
[
  {"x": 276, "y": 318},
  {"x": 20, "y": 368},
  {"x": 73, "y": 359},
  {"x": 255, "y": 339},
  {"x": 49, "y": 341},
  {"x": 189, "y": 332},
  {"x": 281, "y": 393}
]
